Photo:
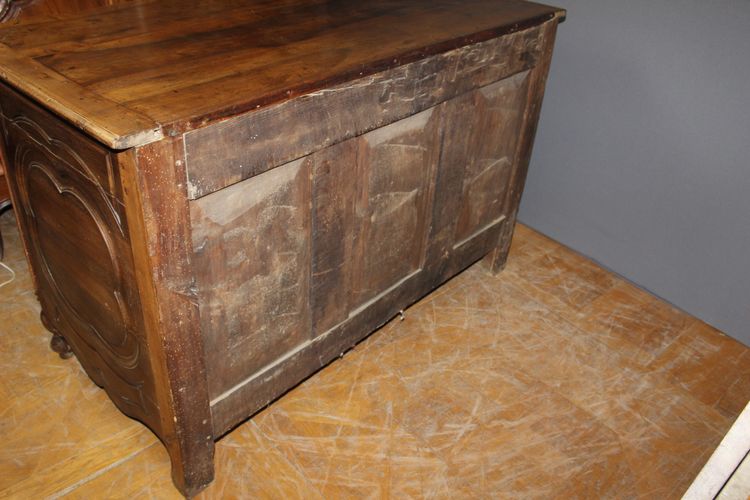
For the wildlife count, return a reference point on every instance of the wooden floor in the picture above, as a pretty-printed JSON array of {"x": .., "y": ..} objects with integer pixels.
[{"x": 556, "y": 379}]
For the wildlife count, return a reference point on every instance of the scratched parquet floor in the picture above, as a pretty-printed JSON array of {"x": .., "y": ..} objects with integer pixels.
[{"x": 555, "y": 379}]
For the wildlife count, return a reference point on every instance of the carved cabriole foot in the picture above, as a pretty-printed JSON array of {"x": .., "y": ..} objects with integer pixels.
[
  {"x": 61, "y": 346},
  {"x": 58, "y": 342}
]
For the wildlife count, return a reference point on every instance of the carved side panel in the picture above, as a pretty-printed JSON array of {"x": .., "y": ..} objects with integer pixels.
[
  {"x": 252, "y": 265},
  {"x": 77, "y": 240}
]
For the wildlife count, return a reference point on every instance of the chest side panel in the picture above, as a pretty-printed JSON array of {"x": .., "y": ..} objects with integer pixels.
[{"x": 67, "y": 195}]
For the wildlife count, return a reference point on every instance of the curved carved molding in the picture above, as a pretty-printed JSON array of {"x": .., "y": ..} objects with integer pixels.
[
  {"x": 44, "y": 168},
  {"x": 51, "y": 145},
  {"x": 126, "y": 351},
  {"x": 4, "y": 9},
  {"x": 9, "y": 9}
]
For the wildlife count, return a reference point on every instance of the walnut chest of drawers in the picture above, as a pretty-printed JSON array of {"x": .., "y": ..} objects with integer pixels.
[{"x": 219, "y": 198}]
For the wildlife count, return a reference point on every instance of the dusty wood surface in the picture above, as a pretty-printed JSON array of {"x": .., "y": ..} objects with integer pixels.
[
  {"x": 157, "y": 68},
  {"x": 154, "y": 189},
  {"x": 295, "y": 265},
  {"x": 252, "y": 271},
  {"x": 239, "y": 148},
  {"x": 495, "y": 260}
]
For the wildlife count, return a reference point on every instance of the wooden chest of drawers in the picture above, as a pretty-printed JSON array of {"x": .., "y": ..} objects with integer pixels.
[{"x": 219, "y": 198}]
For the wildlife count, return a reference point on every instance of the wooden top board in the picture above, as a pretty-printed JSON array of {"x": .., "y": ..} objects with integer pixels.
[{"x": 131, "y": 74}]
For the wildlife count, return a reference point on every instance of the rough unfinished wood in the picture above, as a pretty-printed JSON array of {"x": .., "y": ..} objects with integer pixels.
[
  {"x": 252, "y": 143},
  {"x": 370, "y": 235},
  {"x": 362, "y": 229},
  {"x": 252, "y": 270},
  {"x": 496, "y": 259}
]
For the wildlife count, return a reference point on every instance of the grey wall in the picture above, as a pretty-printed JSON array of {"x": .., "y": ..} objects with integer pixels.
[{"x": 642, "y": 159}]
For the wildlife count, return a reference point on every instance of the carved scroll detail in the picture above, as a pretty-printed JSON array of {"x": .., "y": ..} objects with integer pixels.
[
  {"x": 129, "y": 358},
  {"x": 87, "y": 295},
  {"x": 9, "y": 9}
]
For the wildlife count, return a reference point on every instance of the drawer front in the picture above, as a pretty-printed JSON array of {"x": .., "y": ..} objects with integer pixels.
[{"x": 64, "y": 188}]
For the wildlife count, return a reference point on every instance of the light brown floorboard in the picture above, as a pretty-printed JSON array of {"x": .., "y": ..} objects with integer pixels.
[{"x": 555, "y": 379}]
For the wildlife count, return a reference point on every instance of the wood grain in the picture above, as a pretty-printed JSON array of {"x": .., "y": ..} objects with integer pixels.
[
  {"x": 252, "y": 272},
  {"x": 154, "y": 191},
  {"x": 252, "y": 143},
  {"x": 360, "y": 230},
  {"x": 496, "y": 259},
  {"x": 85, "y": 274},
  {"x": 158, "y": 64},
  {"x": 26, "y": 11}
]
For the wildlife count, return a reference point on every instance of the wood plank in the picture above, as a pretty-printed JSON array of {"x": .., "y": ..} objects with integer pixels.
[
  {"x": 495, "y": 260},
  {"x": 239, "y": 148},
  {"x": 252, "y": 271},
  {"x": 396, "y": 166},
  {"x": 154, "y": 189},
  {"x": 121, "y": 73},
  {"x": 335, "y": 233},
  {"x": 479, "y": 136},
  {"x": 496, "y": 116},
  {"x": 368, "y": 235},
  {"x": 114, "y": 125}
]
